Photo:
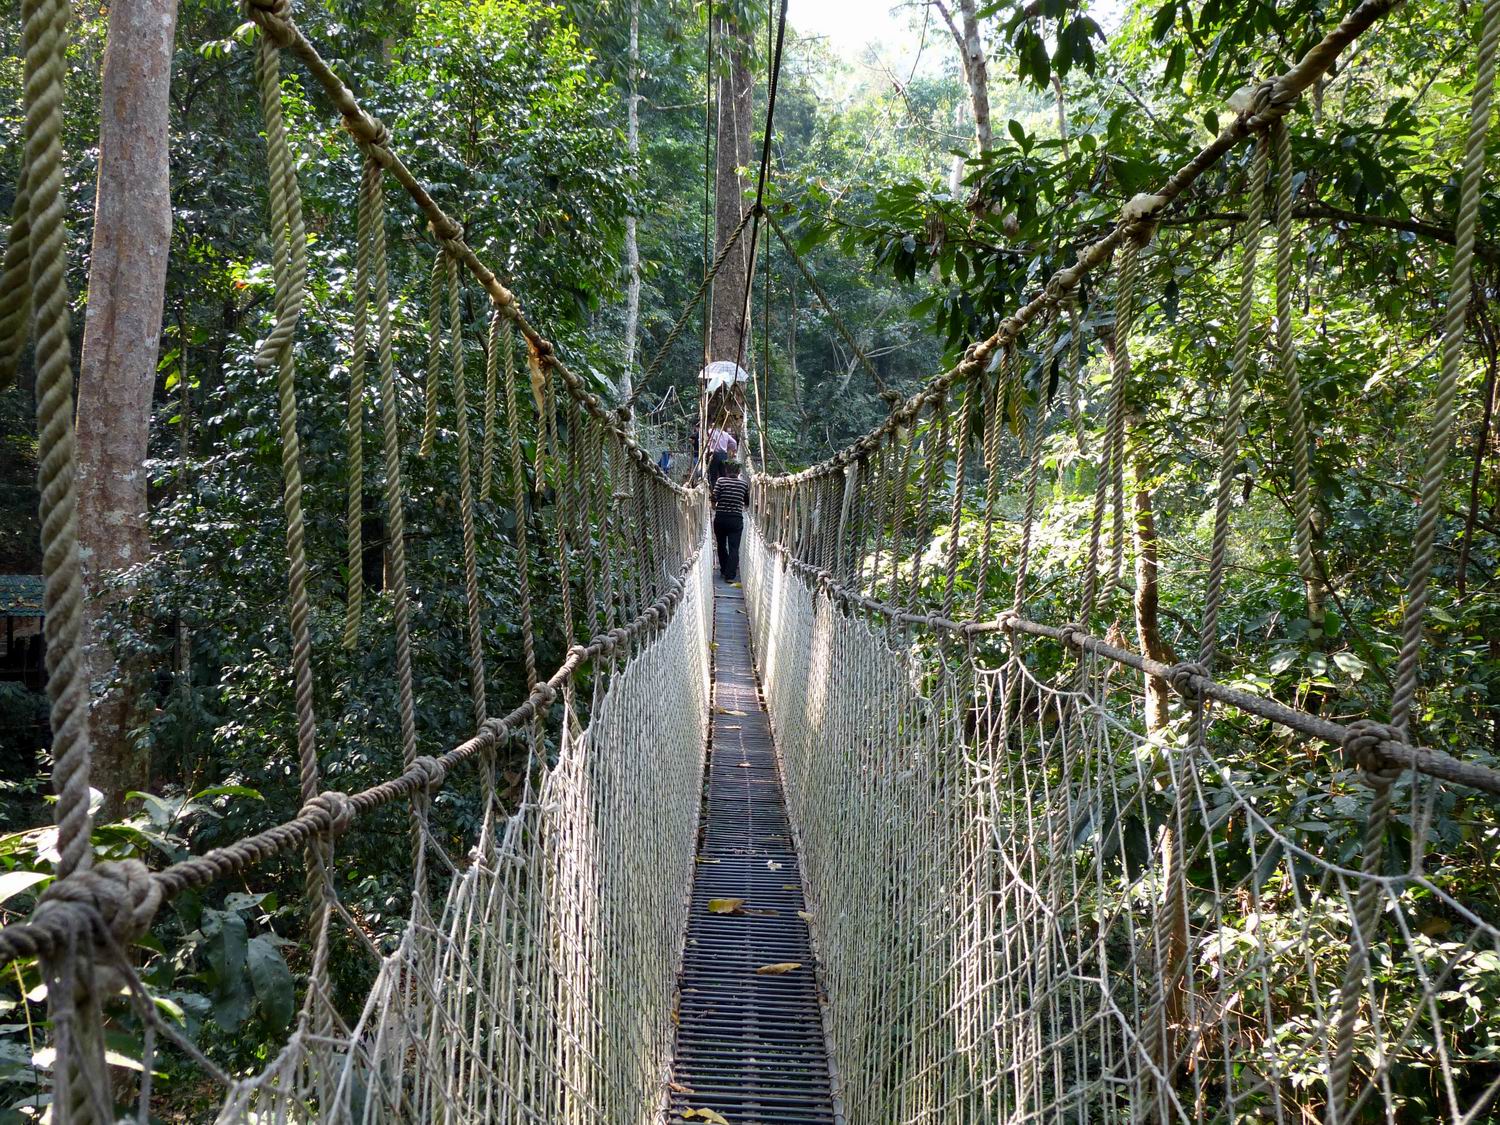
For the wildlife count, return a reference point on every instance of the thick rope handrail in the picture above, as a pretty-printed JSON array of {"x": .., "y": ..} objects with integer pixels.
[
  {"x": 1187, "y": 679},
  {"x": 1272, "y": 102},
  {"x": 375, "y": 137},
  {"x": 331, "y": 814}
]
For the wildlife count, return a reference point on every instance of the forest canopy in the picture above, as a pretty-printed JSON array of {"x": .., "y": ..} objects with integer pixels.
[{"x": 917, "y": 205}]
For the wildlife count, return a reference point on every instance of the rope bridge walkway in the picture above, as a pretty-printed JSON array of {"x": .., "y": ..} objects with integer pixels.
[
  {"x": 1025, "y": 906},
  {"x": 750, "y": 1042}
]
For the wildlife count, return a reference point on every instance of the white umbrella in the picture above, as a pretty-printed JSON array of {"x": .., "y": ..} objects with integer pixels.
[{"x": 722, "y": 373}]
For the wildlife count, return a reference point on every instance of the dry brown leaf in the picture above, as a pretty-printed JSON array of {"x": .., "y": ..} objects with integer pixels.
[
  {"x": 711, "y": 1116},
  {"x": 678, "y": 1087},
  {"x": 777, "y": 969},
  {"x": 726, "y": 906}
]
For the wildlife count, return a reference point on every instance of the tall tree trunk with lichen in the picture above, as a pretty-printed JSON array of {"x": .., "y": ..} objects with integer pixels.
[
  {"x": 729, "y": 313},
  {"x": 117, "y": 371},
  {"x": 632, "y": 245},
  {"x": 970, "y": 44}
]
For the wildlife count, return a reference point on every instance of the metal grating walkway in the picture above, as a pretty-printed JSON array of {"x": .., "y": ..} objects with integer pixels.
[{"x": 750, "y": 1046}]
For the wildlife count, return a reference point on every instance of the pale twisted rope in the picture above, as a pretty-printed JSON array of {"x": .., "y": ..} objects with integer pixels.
[
  {"x": 473, "y": 614},
  {"x": 1408, "y": 671},
  {"x": 1234, "y": 407},
  {"x": 1110, "y": 464},
  {"x": 354, "y": 428},
  {"x": 15, "y": 278},
  {"x": 434, "y": 357},
  {"x": 491, "y": 394},
  {"x": 1286, "y": 354}
]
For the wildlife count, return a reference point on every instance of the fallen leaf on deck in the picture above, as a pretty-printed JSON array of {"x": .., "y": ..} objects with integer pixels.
[
  {"x": 773, "y": 865},
  {"x": 679, "y": 1088},
  {"x": 805, "y": 916},
  {"x": 778, "y": 968},
  {"x": 789, "y": 886},
  {"x": 705, "y": 859},
  {"x": 726, "y": 906},
  {"x": 709, "y": 1115}
]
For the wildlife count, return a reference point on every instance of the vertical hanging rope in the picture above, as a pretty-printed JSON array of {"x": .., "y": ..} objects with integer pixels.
[
  {"x": 434, "y": 356},
  {"x": 518, "y": 502},
  {"x": 395, "y": 501},
  {"x": 354, "y": 428},
  {"x": 43, "y": 250},
  {"x": 289, "y": 267},
  {"x": 1366, "y": 920},
  {"x": 993, "y": 425},
  {"x": 1075, "y": 368},
  {"x": 1445, "y": 397},
  {"x": 898, "y": 523},
  {"x": 1124, "y": 321},
  {"x": 935, "y": 449},
  {"x": 1110, "y": 462},
  {"x": 465, "y": 485},
  {"x": 563, "y": 504},
  {"x": 1033, "y": 472},
  {"x": 15, "y": 280},
  {"x": 1286, "y": 353},
  {"x": 491, "y": 388},
  {"x": 955, "y": 510},
  {"x": 1234, "y": 408},
  {"x": 35, "y": 284}
]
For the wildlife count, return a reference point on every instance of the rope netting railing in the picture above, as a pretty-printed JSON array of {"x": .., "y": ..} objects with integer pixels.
[
  {"x": 533, "y": 980},
  {"x": 1030, "y": 902}
]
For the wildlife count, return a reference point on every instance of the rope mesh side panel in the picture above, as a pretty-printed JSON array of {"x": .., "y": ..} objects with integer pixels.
[{"x": 988, "y": 895}]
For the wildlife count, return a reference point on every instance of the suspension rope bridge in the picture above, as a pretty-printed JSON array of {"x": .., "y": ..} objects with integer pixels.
[{"x": 988, "y": 895}]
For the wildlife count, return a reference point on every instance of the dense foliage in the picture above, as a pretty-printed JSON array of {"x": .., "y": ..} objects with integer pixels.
[{"x": 513, "y": 111}]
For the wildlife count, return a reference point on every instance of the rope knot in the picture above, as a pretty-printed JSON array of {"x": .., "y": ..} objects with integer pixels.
[
  {"x": 1007, "y": 620},
  {"x": 368, "y": 128},
  {"x": 449, "y": 233},
  {"x": 274, "y": 17},
  {"x": 338, "y": 807},
  {"x": 1362, "y": 747},
  {"x": 118, "y": 898},
  {"x": 891, "y": 396},
  {"x": 1073, "y": 634},
  {"x": 429, "y": 770},
  {"x": 1182, "y": 676}
]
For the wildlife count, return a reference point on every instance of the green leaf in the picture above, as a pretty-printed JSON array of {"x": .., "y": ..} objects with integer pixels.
[
  {"x": 272, "y": 980},
  {"x": 1166, "y": 16},
  {"x": 13, "y": 883}
]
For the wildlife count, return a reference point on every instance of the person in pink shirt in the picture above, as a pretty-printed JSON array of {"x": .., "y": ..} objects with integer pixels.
[{"x": 721, "y": 447}]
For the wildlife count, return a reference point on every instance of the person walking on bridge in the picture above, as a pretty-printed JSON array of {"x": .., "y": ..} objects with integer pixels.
[
  {"x": 730, "y": 496},
  {"x": 721, "y": 447}
]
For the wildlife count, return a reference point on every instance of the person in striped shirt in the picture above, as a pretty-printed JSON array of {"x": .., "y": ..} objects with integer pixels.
[{"x": 730, "y": 498}]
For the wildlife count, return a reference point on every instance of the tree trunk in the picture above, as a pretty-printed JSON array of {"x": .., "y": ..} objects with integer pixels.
[
  {"x": 965, "y": 32},
  {"x": 632, "y": 246},
  {"x": 1147, "y": 589},
  {"x": 117, "y": 372},
  {"x": 978, "y": 73},
  {"x": 729, "y": 313}
]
